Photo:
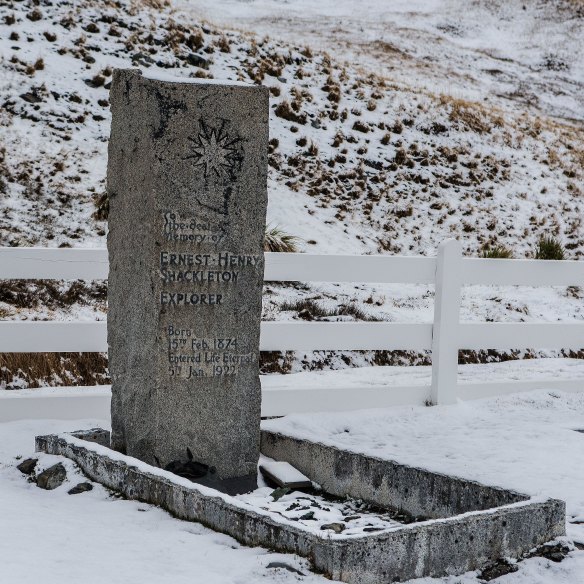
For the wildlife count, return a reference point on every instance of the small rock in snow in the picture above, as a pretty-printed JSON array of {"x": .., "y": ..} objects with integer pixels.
[
  {"x": 280, "y": 492},
  {"x": 284, "y": 566},
  {"x": 81, "y": 488},
  {"x": 336, "y": 527},
  {"x": 52, "y": 477},
  {"x": 27, "y": 466},
  {"x": 31, "y": 97},
  {"x": 197, "y": 61}
]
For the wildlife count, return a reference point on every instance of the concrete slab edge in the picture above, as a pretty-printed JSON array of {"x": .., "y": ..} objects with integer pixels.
[
  {"x": 416, "y": 491},
  {"x": 432, "y": 548}
]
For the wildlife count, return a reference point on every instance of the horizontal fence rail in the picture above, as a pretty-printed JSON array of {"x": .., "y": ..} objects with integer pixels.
[
  {"x": 444, "y": 337},
  {"x": 521, "y": 335},
  {"x": 301, "y": 267},
  {"x": 501, "y": 272},
  {"x": 92, "y": 264},
  {"x": 33, "y": 263},
  {"x": 329, "y": 336}
]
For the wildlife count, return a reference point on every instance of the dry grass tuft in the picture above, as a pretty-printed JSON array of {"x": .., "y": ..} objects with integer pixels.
[
  {"x": 469, "y": 115},
  {"x": 497, "y": 252},
  {"x": 156, "y": 4},
  {"x": 277, "y": 240}
]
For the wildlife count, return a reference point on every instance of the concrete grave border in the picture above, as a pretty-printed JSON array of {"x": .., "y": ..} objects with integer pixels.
[{"x": 437, "y": 547}]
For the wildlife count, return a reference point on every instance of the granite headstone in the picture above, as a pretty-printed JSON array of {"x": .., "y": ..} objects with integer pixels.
[{"x": 187, "y": 175}]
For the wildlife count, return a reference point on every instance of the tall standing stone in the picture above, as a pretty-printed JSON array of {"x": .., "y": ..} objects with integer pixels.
[{"x": 187, "y": 187}]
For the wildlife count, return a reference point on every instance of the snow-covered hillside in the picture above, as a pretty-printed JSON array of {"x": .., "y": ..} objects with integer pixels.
[
  {"x": 358, "y": 163},
  {"x": 511, "y": 53},
  {"x": 367, "y": 154}
]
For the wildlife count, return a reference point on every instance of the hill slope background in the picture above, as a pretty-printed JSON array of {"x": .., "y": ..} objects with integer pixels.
[{"x": 408, "y": 136}]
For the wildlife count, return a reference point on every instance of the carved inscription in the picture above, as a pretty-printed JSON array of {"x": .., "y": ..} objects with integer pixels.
[
  {"x": 190, "y": 356},
  {"x": 197, "y": 278},
  {"x": 190, "y": 230}
]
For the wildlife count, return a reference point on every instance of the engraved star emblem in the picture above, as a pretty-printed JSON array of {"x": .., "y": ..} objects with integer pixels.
[{"x": 215, "y": 152}]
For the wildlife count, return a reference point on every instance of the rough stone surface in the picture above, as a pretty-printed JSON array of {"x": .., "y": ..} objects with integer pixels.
[
  {"x": 413, "y": 491},
  {"x": 80, "y": 488},
  {"x": 187, "y": 187},
  {"x": 97, "y": 435},
  {"x": 336, "y": 527},
  {"x": 27, "y": 466},
  {"x": 52, "y": 477},
  {"x": 449, "y": 546}
]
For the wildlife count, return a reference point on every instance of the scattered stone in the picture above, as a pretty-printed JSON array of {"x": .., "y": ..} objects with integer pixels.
[
  {"x": 52, "y": 477},
  {"x": 284, "y": 566},
  {"x": 142, "y": 59},
  {"x": 96, "y": 435},
  {"x": 197, "y": 61},
  {"x": 280, "y": 492},
  {"x": 31, "y": 97},
  {"x": 336, "y": 527},
  {"x": 27, "y": 466},
  {"x": 80, "y": 488},
  {"x": 554, "y": 552},
  {"x": 307, "y": 516}
]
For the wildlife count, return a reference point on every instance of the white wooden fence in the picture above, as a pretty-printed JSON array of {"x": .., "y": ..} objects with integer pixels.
[{"x": 444, "y": 337}]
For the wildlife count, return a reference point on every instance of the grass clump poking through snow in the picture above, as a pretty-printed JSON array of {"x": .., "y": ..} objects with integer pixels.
[
  {"x": 549, "y": 248},
  {"x": 497, "y": 252},
  {"x": 101, "y": 202},
  {"x": 277, "y": 240},
  {"x": 309, "y": 309}
]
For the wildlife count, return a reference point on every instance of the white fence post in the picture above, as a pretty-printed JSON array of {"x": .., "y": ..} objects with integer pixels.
[{"x": 446, "y": 323}]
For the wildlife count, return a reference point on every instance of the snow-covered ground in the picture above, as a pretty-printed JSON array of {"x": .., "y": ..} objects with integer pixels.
[
  {"x": 94, "y": 538},
  {"x": 358, "y": 377},
  {"x": 526, "y": 442}
]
